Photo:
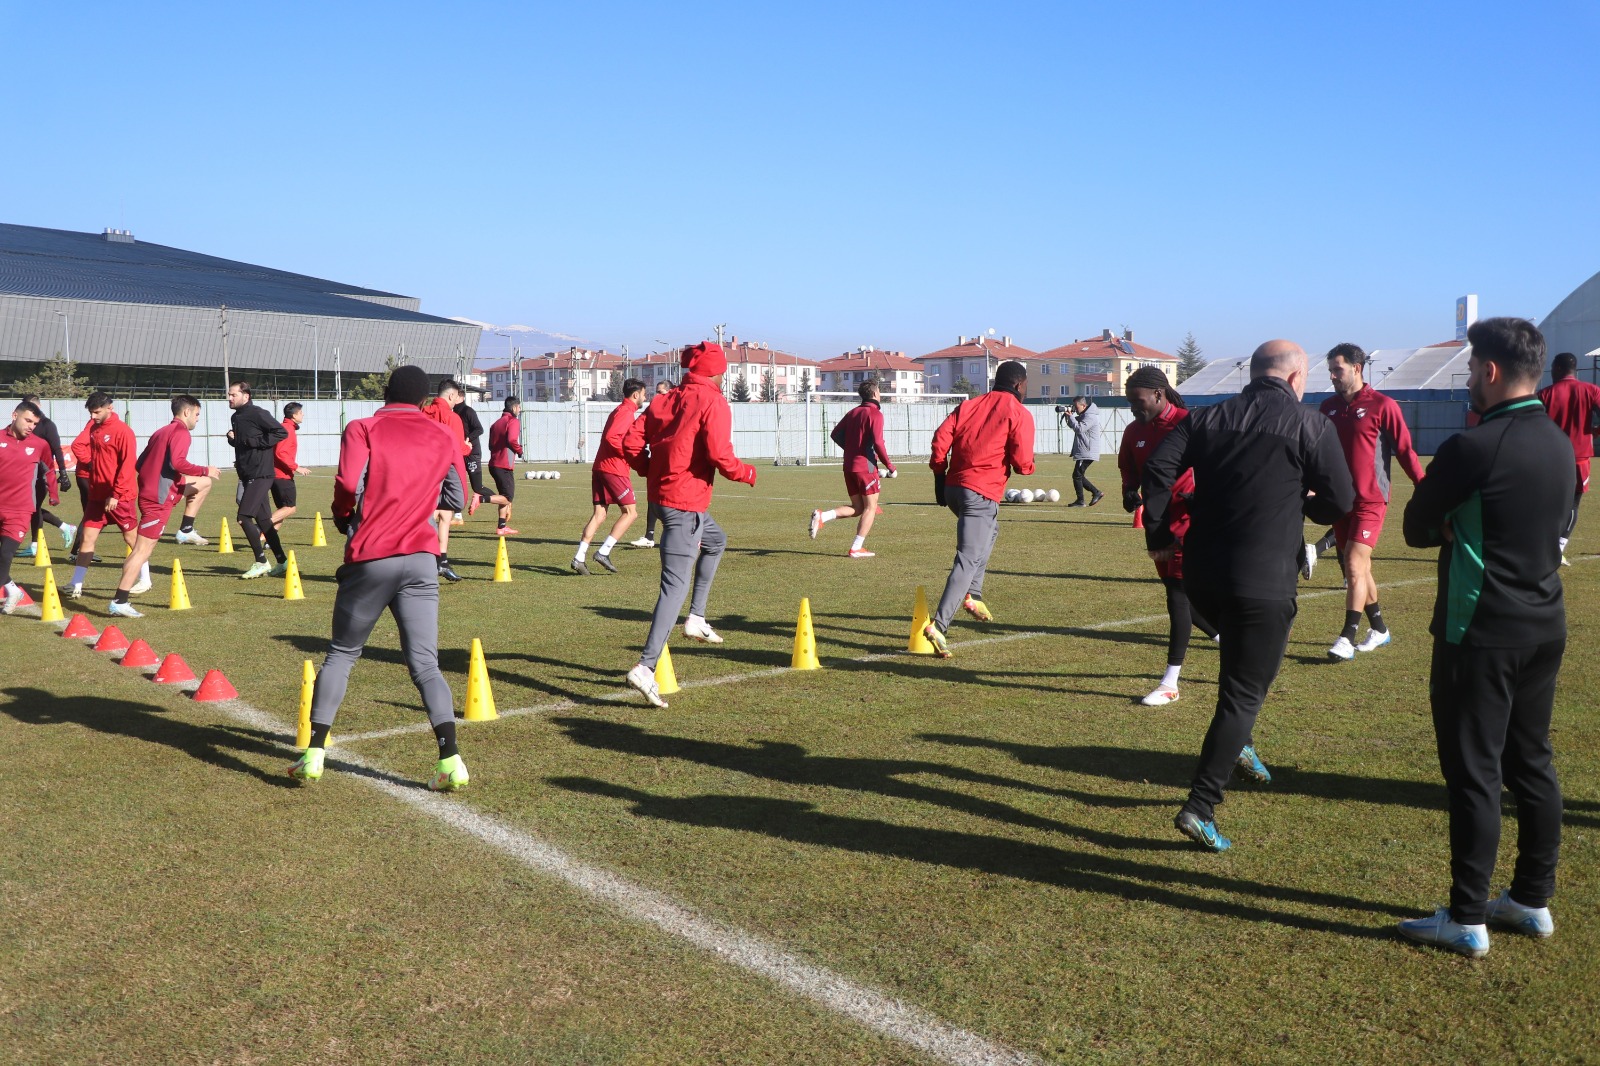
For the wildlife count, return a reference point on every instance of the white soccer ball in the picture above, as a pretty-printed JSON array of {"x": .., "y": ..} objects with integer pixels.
[
  {"x": 1013, "y": 495},
  {"x": 557, "y": 475},
  {"x": 531, "y": 475},
  {"x": 1027, "y": 495},
  {"x": 1053, "y": 496}
]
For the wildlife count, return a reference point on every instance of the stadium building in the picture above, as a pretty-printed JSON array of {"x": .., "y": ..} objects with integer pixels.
[{"x": 143, "y": 319}]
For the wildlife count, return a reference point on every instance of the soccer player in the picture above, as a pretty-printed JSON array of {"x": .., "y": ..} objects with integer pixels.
[
  {"x": 165, "y": 476},
  {"x": 1085, "y": 421},
  {"x": 1574, "y": 406},
  {"x": 21, "y": 456},
  {"x": 442, "y": 409},
  {"x": 1372, "y": 431},
  {"x": 859, "y": 434},
  {"x": 609, "y": 482},
  {"x": 652, "y": 513},
  {"x": 1494, "y": 502},
  {"x": 255, "y": 436},
  {"x": 46, "y": 431},
  {"x": 1260, "y": 460},
  {"x": 472, "y": 430},
  {"x": 981, "y": 444},
  {"x": 689, "y": 434},
  {"x": 395, "y": 472},
  {"x": 110, "y": 454},
  {"x": 505, "y": 440},
  {"x": 285, "y": 465},
  {"x": 1157, "y": 407}
]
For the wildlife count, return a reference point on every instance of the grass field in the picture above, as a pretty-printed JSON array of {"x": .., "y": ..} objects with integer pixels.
[{"x": 987, "y": 839}]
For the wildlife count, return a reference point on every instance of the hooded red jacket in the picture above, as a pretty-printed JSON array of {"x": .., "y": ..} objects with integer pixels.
[
  {"x": 446, "y": 416},
  {"x": 608, "y": 458},
  {"x": 689, "y": 433},
  {"x": 985, "y": 441},
  {"x": 396, "y": 468}
]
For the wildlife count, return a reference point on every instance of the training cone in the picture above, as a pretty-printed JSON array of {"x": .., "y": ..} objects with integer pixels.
[
  {"x": 41, "y": 554},
  {"x": 50, "y": 600},
  {"x": 308, "y": 682},
  {"x": 319, "y": 539},
  {"x": 173, "y": 670},
  {"x": 502, "y": 563},
  {"x": 180, "y": 591},
  {"x": 291, "y": 581},
  {"x": 480, "y": 700},
  {"x": 214, "y": 687},
  {"x": 111, "y": 640},
  {"x": 27, "y": 600},
  {"x": 805, "y": 642},
  {"x": 666, "y": 677},
  {"x": 80, "y": 627},
  {"x": 139, "y": 654},
  {"x": 1138, "y": 517},
  {"x": 918, "y": 644},
  {"x": 225, "y": 540}
]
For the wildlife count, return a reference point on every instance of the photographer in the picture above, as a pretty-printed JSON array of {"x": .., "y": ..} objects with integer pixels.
[{"x": 1084, "y": 420}]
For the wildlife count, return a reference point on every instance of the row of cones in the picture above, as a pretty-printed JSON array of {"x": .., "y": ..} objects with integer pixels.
[
  {"x": 138, "y": 654},
  {"x": 178, "y": 600}
]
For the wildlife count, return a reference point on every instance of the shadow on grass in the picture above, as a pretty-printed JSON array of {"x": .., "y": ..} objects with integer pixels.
[
  {"x": 148, "y": 722},
  {"x": 1083, "y": 577},
  {"x": 456, "y": 661}
]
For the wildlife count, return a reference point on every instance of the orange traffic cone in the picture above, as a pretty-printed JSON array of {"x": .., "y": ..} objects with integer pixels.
[
  {"x": 1138, "y": 517},
  {"x": 214, "y": 688},
  {"x": 173, "y": 670}
]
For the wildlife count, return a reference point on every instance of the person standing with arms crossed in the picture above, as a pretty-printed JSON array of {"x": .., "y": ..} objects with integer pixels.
[
  {"x": 680, "y": 444},
  {"x": 254, "y": 436},
  {"x": 396, "y": 469},
  {"x": 1574, "y": 407},
  {"x": 1494, "y": 503},
  {"x": 609, "y": 482},
  {"x": 859, "y": 434},
  {"x": 1260, "y": 461},
  {"x": 976, "y": 449}
]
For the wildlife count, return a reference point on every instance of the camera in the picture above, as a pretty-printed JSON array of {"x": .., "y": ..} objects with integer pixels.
[{"x": 1060, "y": 410}]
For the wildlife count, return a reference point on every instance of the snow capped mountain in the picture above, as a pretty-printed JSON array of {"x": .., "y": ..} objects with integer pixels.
[{"x": 494, "y": 349}]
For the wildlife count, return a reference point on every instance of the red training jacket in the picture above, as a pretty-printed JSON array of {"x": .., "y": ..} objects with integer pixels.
[
  {"x": 859, "y": 434},
  {"x": 1372, "y": 431},
  {"x": 80, "y": 450},
  {"x": 165, "y": 461},
  {"x": 504, "y": 438},
  {"x": 395, "y": 469},
  {"x": 446, "y": 416},
  {"x": 608, "y": 458},
  {"x": 19, "y": 469},
  {"x": 113, "y": 451},
  {"x": 1139, "y": 441},
  {"x": 1573, "y": 405},
  {"x": 689, "y": 432},
  {"x": 984, "y": 441},
  {"x": 286, "y": 455}
]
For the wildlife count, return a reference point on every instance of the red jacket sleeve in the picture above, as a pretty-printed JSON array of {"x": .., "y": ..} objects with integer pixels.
[
  {"x": 718, "y": 435},
  {"x": 126, "y": 484},
  {"x": 633, "y": 449},
  {"x": 354, "y": 452},
  {"x": 1400, "y": 433},
  {"x": 617, "y": 428},
  {"x": 178, "y": 456},
  {"x": 286, "y": 451},
  {"x": 940, "y": 458},
  {"x": 1019, "y": 444},
  {"x": 514, "y": 442},
  {"x": 877, "y": 440},
  {"x": 1125, "y": 463},
  {"x": 80, "y": 446}
]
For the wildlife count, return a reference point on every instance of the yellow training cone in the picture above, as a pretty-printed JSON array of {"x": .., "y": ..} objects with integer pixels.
[
  {"x": 319, "y": 539},
  {"x": 308, "y": 679},
  {"x": 502, "y": 563},
  {"x": 805, "y": 643},
  {"x": 291, "y": 581},
  {"x": 666, "y": 678},
  {"x": 50, "y": 600},
  {"x": 480, "y": 700},
  {"x": 918, "y": 644},
  {"x": 225, "y": 540},
  {"x": 180, "y": 591},
  {"x": 41, "y": 555}
]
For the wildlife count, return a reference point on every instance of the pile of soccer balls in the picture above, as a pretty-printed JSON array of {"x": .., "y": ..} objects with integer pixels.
[
  {"x": 544, "y": 475},
  {"x": 1032, "y": 496}
]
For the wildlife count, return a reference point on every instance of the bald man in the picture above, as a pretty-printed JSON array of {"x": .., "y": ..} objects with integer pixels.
[{"x": 1261, "y": 460}]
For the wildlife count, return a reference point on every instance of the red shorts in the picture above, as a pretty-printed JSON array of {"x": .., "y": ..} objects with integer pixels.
[
  {"x": 124, "y": 517},
  {"x": 1362, "y": 525},
  {"x": 609, "y": 489},
  {"x": 17, "y": 527},
  {"x": 153, "y": 514},
  {"x": 861, "y": 479},
  {"x": 1583, "y": 476}
]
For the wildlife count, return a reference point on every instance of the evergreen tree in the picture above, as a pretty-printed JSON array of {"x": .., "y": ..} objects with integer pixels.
[
  {"x": 963, "y": 385},
  {"x": 1189, "y": 361},
  {"x": 805, "y": 383},
  {"x": 371, "y": 387},
  {"x": 55, "y": 379},
  {"x": 614, "y": 390},
  {"x": 741, "y": 389},
  {"x": 769, "y": 386}
]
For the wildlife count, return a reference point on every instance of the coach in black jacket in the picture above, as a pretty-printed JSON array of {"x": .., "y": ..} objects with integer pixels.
[
  {"x": 1261, "y": 460},
  {"x": 254, "y": 435}
]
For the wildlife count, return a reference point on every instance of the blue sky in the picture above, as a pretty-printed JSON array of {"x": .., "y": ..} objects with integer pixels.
[{"x": 824, "y": 175}]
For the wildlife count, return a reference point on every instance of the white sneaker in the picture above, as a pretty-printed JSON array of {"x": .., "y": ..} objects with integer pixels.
[
  {"x": 816, "y": 523},
  {"x": 1440, "y": 931},
  {"x": 122, "y": 610},
  {"x": 1507, "y": 913},
  {"x": 1161, "y": 697},
  {"x": 642, "y": 542},
  {"x": 644, "y": 679},
  {"x": 1375, "y": 641},
  {"x": 13, "y": 597},
  {"x": 697, "y": 628},
  {"x": 190, "y": 537},
  {"x": 140, "y": 587},
  {"x": 68, "y": 532},
  {"x": 1564, "y": 560},
  {"x": 1308, "y": 560},
  {"x": 76, "y": 593},
  {"x": 1342, "y": 651}
]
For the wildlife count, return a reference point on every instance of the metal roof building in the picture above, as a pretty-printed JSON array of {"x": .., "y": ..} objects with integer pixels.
[{"x": 142, "y": 318}]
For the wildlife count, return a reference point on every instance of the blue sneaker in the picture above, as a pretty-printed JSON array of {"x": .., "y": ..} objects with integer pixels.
[
  {"x": 27, "y": 551},
  {"x": 1439, "y": 930},
  {"x": 1203, "y": 833},
  {"x": 1507, "y": 913},
  {"x": 1251, "y": 766}
]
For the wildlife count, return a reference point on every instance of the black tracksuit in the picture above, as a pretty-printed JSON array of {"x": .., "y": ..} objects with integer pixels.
[
  {"x": 1254, "y": 456},
  {"x": 1499, "y": 631},
  {"x": 255, "y": 434},
  {"x": 472, "y": 429}
]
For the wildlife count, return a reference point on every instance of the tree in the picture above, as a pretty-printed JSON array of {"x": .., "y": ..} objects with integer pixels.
[
  {"x": 1189, "y": 361},
  {"x": 371, "y": 387},
  {"x": 805, "y": 383},
  {"x": 963, "y": 385},
  {"x": 614, "y": 390},
  {"x": 55, "y": 379},
  {"x": 769, "y": 386},
  {"x": 741, "y": 389}
]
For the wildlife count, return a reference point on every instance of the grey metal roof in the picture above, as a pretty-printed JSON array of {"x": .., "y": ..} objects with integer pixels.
[{"x": 65, "y": 264}]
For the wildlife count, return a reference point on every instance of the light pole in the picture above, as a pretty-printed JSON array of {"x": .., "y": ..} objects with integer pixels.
[
  {"x": 316, "y": 360},
  {"x": 666, "y": 346},
  {"x": 511, "y": 372},
  {"x": 66, "y": 334}
]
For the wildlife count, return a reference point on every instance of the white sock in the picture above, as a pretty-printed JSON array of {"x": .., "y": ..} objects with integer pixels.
[
  {"x": 1170, "y": 678},
  {"x": 144, "y": 572},
  {"x": 605, "y": 549},
  {"x": 1563, "y": 543},
  {"x": 824, "y": 517},
  {"x": 79, "y": 573},
  {"x": 583, "y": 551},
  {"x": 857, "y": 544},
  {"x": 695, "y": 619}
]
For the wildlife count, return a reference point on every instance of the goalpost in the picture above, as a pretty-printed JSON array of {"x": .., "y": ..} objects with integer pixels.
[{"x": 908, "y": 423}]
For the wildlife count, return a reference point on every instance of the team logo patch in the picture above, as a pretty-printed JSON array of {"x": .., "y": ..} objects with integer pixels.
[
  {"x": 28, "y": 451},
  {"x": 1361, "y": 412},
  {"x": 1365, "y": 533}
]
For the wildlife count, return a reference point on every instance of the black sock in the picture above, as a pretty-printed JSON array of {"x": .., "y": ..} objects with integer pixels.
[
  {"x": 444, "y": 560},
  {"x": 50, "y": 519},
  {"x": 187, "y": 525},
  {"x": 1375, "y": 619},
  {"x": 501, "y": 523},
  {"x": 270, "y": 535},
  {"x": 446, "y": 734},
  {"x": 1326, "y": 542},
  {"x": 319, "y": 735},
  {"x": 1352, "y": 619},
  {"x": 120, "y": 597}
]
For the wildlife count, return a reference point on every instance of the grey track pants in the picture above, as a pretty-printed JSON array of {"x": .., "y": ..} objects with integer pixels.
[
  {"x": 408, "y": 586},
  {"x": 691, "y": 544},
  {"x": 977, "y": 527}
]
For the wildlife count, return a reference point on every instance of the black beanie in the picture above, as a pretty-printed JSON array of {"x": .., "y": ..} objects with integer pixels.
[{"x": 407, "y": 384}]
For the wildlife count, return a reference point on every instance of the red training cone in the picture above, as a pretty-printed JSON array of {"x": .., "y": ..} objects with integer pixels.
[
  {"x": 27, "y": 600},
  {"x": 1138, "y": 517},
  {"x": 139, "y": 654},
  {"x": 173, "y": 670},
  {"x": 80, "y": 627},
  {"x": 214, "y": 687},
  {"x": 111, "y": 640}
]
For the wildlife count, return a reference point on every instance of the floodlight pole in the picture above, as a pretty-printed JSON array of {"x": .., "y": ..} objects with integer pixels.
[
  {"x": 225, "y": 375},
  {"x": 316, "y": 361},
  {"x": 66, "y": 334}
]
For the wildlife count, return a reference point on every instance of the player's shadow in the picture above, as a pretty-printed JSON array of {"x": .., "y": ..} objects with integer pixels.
[
  {"x": 802, "y": 823},
  {"x": 148, "y": 723},
  {"x": 456, "y": 661},
  {"x": 1080, "y": 577},
  {"x": 924, "y": 669}
]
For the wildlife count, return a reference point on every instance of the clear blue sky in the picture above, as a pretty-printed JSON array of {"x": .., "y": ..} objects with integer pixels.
[{"x": 824, "y": 175}]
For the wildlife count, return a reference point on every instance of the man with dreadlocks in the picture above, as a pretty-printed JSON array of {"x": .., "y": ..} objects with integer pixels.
[{"x": 1156, "y": 408}]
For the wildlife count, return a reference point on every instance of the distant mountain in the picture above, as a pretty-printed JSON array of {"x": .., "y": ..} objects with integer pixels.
[{"x": 494, "y": 350}]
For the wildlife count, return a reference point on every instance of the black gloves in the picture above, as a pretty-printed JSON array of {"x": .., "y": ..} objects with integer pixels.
[
  {"x": 63, "y": 480},
  {"x": 1130, "y": 500}
]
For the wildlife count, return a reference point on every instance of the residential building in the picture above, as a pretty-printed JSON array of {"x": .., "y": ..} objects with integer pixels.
[
  {"x": 1099, "y": 366},
  {"x": 972, "y": 360},
  {"x": 575, "y": 374},
  {"x": 896, "y": 375},
  {"x": 792, "y": 376}
]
